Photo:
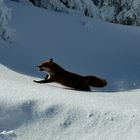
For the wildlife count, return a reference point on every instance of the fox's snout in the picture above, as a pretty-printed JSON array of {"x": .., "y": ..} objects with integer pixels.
[{"x": 40, "y": 68}]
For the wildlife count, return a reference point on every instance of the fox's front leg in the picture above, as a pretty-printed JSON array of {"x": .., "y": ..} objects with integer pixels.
[
  {"x": 47, "y": 76},
  {"x": 46, "y": 80}
]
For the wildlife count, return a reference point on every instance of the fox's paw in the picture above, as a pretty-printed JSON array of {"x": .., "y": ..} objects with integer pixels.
[{"x": 35, "y": 81}]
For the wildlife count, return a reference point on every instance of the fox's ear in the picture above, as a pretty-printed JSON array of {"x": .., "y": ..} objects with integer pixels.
[{"x": 51, "y": 60}]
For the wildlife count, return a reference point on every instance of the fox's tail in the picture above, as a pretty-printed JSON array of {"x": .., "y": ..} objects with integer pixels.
[{"x": 96, "y": 81}]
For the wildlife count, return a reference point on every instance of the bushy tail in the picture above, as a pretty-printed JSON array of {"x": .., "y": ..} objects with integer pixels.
[{"x": 96, "y": 81}]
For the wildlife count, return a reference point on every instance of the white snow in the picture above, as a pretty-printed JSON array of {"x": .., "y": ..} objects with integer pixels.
[
  {"x": 6, "y": 33},
  {"x": 7, "y": 135},
  {"x": 30, "y": 111},
  {"x": 117, "y": 11}
]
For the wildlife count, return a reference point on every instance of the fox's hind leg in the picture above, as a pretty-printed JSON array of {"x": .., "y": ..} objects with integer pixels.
[
  {"x": 83, "y": 88},
  {"x": 86, "y": 89}
]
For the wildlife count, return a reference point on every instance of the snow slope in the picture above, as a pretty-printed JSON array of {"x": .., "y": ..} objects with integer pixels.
[
  {"x": 48, "y": 112},
  {"x": 29, "y": 111}
]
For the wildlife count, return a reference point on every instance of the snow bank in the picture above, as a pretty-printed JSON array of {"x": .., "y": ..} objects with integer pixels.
[{"x": 51, "y": 112}]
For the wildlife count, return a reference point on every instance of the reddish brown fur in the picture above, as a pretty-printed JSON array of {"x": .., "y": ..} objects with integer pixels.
[{"x": 69, "y": 79}]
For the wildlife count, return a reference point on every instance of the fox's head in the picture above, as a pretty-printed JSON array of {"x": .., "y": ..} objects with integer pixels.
[{"x": 45, "y": 66}]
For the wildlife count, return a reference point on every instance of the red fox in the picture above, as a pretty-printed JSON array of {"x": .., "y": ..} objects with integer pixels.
[{"x": 68, "y": 79}]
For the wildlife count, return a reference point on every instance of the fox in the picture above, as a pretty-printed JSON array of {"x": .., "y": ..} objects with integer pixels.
[{"x": 72, "y": 80}]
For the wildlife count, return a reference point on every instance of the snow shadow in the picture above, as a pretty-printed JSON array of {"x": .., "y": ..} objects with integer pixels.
[
  {"x": 24, "y": 61},
  {"x": 14, "y": 116}
]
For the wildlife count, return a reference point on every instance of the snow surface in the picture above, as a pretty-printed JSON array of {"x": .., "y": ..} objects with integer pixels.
[
  {"x": 6, "y": 33},
  {"x": 7, "y": 135},
  {"x": 29, "y": 111}
]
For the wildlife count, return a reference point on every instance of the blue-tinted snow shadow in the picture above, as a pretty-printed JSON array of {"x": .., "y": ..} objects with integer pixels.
[
  {"x": 14, "y": 116},
  {"x": 22, "y": 60}
]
